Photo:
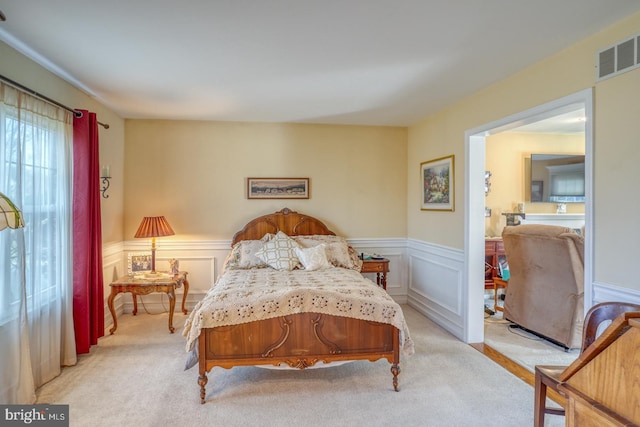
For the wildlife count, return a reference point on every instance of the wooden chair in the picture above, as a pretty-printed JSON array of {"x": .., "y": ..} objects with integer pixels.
[{"x": 549, "y": 376}]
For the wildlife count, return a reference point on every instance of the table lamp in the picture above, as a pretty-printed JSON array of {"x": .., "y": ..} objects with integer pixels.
[
  {"x": 10, "y": 215},
  {"x": 154, "y": 226}
]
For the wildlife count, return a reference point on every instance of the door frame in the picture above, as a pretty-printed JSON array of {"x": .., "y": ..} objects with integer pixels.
[{"x": 474, "y": 220}]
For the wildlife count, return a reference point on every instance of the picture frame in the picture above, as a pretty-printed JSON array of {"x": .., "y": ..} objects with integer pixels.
[
  {"x": 437, "y": 184},
  {"x": 139, "y": 262},
  {"x": 277, "y": 188}
]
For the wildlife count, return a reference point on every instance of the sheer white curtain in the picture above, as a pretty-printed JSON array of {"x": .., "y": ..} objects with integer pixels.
[{"x": 36, "y": 173}]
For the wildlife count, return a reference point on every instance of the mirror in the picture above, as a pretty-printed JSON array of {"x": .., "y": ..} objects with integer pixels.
[{"x": 557, "y": 178}]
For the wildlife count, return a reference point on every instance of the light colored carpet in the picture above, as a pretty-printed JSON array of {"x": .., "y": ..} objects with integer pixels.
[{"x": 136, "y": 378}]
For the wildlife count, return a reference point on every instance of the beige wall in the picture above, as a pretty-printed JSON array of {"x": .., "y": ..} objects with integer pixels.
[
  {"x": 195, "y": 172},
  {"x": 508, "y": 157},
  {"x": 26, "y": 72},
  {"x": 616, "y": 152}
]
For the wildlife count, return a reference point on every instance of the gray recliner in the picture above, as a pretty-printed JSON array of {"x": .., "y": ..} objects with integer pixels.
[{"x": 546, "y": 288}]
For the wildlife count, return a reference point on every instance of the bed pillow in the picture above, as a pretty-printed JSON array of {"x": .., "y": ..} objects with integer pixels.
[
  {"x": 248, "y": 251},
  {"x": 310, "y": 240},
  {"x": 339, "y": 252},
  {"x": 243, "y": 254},
  {"x": 279, "y": 252},
  {"x": 314, "y": 258},
  {"x": 343, "y": 255}
]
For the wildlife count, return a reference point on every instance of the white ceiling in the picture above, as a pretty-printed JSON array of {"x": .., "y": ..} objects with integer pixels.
[{"x": 378, "y": 62}]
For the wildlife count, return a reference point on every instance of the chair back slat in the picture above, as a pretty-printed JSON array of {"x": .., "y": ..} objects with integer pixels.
[{"x": 599, "y": 313}]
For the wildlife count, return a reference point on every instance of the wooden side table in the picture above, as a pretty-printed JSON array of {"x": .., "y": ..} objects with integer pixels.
[
  {"x": 378, "y": 266},
  {"x": 140, "y": 285}
]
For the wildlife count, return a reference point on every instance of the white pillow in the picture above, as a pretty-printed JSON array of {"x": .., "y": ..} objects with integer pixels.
[
  {"x": 279, "y": 252},
  {"x": 314, "y": 258}
]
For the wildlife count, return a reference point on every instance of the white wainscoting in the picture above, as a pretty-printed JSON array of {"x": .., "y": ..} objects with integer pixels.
[
  {"x": 603, "y": 292},
  {"x": 396, "y": 251},
  {"x": 112, "y": 268},
  {"x": 436, "y": 284}
]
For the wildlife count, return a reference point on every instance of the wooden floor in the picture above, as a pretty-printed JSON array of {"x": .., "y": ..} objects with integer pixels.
[{"x": 515, "y": 368}]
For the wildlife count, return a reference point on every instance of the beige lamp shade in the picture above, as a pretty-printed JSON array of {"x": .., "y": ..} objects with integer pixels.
[
  {"x": 154, "y": 226},
  {"x": 10, "y": 215}
]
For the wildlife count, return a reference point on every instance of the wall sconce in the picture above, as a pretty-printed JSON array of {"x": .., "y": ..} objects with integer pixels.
[
  {"x": 487, "y": 182},
  {"x": 105, "y": 176}
]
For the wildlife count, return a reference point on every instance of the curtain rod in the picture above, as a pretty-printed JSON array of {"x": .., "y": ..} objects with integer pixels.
[{"x": 46, "y": 98}]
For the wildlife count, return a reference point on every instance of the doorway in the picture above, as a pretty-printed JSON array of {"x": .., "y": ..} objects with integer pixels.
[{"x": 475, "y": 200}]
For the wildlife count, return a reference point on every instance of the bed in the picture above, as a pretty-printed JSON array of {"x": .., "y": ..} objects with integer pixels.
[{"x": 294, "y": 316}]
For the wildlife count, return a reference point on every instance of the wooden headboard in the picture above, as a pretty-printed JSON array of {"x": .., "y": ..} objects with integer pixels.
[{"x": 289, "y": 222}]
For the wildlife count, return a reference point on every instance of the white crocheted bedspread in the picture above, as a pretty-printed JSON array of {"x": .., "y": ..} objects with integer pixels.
[{"x": 242, "y": 296}]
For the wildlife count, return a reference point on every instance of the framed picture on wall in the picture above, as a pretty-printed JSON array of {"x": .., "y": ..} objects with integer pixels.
[
  {"x": 437, "y": 184},
  {"x": 277, "y": 188}
]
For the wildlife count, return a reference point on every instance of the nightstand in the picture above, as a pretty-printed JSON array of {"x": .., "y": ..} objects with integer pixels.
[
  {"x": 378, "y": 266},
  {"x": 141, "y": 285}
]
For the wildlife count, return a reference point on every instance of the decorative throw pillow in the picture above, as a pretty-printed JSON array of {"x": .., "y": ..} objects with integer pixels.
[
  {"x": 279, "y": 252},
  {"x": 248, "y": 250},
  {"x": 314, "y": 258},
  {"x": 341, "y": 255}
]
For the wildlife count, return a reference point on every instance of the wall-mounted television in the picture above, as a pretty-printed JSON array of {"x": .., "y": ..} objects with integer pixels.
[{"x": 557, "y": 178}]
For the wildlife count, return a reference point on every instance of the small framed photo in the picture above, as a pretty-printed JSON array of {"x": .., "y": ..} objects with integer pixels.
[
  {"x": 139, "y": 262},
  {"x": 277, "y": 188},
  {"x": 437, "y": 184}
]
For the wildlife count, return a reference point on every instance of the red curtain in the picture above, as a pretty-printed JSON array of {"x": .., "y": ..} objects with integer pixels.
[{"x": 88, "y": 287}]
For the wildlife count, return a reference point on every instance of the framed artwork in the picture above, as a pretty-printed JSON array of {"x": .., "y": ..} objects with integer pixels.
[
  {"x": 437, "y": 184},
  {"x": 277, "y": 188},
  {"x": 139, "y": 262}
]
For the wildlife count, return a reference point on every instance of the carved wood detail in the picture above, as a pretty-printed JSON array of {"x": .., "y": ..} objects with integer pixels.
[
  {"x": 289, "y": 222},
  {"x": 286, "y": 326},
  {"x": 317, "y": 330}
]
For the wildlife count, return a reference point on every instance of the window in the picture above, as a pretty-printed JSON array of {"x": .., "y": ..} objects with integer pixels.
[
  {"x": 567, "y": 183},
  {"x": 35, "y": 173}
]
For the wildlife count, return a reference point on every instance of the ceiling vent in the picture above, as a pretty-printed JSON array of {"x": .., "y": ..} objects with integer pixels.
[{"x": 619, "y": 58}]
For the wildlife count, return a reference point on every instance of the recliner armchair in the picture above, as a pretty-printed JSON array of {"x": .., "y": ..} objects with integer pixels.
[{"x": 546, "y": 287}]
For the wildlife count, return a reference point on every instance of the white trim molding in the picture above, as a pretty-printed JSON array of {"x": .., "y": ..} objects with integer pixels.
[{"x": 603, "y": 292}]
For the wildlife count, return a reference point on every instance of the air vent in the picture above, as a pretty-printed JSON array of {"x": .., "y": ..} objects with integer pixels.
[{"x": 619, "y": 58}]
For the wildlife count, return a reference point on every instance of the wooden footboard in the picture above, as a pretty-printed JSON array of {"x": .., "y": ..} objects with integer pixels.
[{"x": 299, "y": 341}]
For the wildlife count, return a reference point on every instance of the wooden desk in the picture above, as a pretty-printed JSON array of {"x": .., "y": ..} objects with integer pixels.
[
  {"x": 601, "y": 385},
  {"x": 378, "y": 266},
  {"x": 140, "y": 285}
]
